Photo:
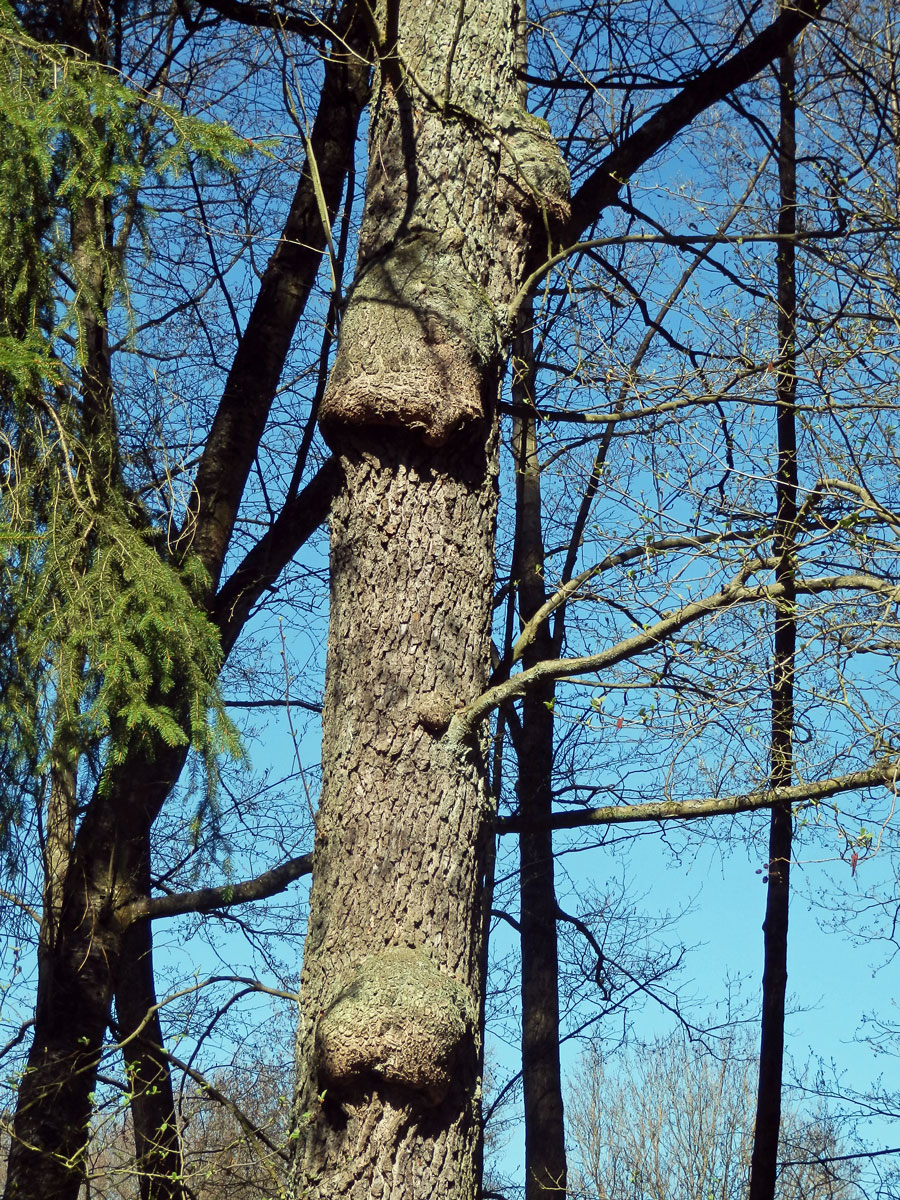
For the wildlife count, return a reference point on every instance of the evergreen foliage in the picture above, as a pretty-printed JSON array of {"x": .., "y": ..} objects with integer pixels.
[{"x": 105, "y": 646}]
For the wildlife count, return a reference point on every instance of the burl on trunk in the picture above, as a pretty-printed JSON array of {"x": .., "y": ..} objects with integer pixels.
[{"x": 462, "y": 186}]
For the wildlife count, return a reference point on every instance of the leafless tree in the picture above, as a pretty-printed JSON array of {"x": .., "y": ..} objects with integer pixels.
[{"x": 670, "y": 1121}]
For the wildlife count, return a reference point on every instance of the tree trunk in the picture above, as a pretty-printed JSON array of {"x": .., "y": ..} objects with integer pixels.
[
  {"x": 78, "y": 936},
  {"x": 389, "y": 1038},
  {"x": 159, "y": 1166},
  {"x": 389, "y": 1047},
  {"x": 75, "y": 979},
  {"x": 764, "y": 1163},
  {"x": 545, "y": 1144}
]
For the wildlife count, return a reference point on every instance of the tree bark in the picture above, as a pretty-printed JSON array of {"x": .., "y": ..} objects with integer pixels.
[{"x": 389, "y": 1045}]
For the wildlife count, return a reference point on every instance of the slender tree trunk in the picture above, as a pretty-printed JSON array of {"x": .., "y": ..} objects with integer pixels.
[
  {"x": 159, "y": 1165},
  {"x": 230, "y": 449},
  {"x": 54, "y": 1099},
  {"x": 545, "y": 1147},
  {"x": 764, "y": 1163},
  {"x": 389, "y": 1043}
]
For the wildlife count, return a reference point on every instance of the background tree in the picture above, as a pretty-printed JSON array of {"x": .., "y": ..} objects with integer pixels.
[
  {"x": 97, "y": 849},
  {"x": 671, "y": 1120}
]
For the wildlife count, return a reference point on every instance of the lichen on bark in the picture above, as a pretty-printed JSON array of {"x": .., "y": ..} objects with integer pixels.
[{"x": 533, "y": 164}]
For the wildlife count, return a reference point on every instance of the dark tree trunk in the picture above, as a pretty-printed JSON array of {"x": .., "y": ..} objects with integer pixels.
[
  {"x": 545, "y": 1146},
  {"x": 78, "y": 939},
  {"x": 82, "y": 940},
  {"x": 159, "y": 1165},
  {"x": 75, "y": 980},
  {"x": 764, "y": 1163},
  {"x": 256, "y": 371},
  {"x": 389, "y": 1041},
  {"x": 284, "y": 289}
]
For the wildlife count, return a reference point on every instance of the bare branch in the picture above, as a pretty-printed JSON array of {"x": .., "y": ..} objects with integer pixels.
[
  {"x": 711, "y": 86},
  {"x": 884, "y": 773},
  {"x": 297, "y": 521},
  {"x": 568, "y": 590},
  {"x": 270, "y": 883},
  {"x": 267, "y": 17},
  {"x": 734, "y": 594},
  {"x": 248, "y": 1126}
]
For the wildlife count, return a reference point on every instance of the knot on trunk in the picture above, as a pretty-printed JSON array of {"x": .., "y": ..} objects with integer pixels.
[
  {"x": 415, "y": 342},
  {"x": 434, "y": 713},
  {"x": 398, "y": 1020},
  {"x": 533, "y": 164}
]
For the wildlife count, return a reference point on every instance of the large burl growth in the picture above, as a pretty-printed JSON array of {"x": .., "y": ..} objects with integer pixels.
[
  {"x": 397, "y": 1020},
  {"x": 461, "y": 186},
  {"x": 417, "y": 340}
]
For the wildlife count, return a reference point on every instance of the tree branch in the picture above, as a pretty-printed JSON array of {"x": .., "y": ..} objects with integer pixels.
[
  {"x": 714, "y": 84},
  {"x": 266, "y": 18},
  {"x": 296, "y": 522},
  {"x": 249, "y": 1127},
  {"x": 287, "y": 281},
  {"x": 270, "y": 883},
  {"x": 467, "y": 719},
  {"x": 648, "y": 549},
  {"x": 884, "y": 773}
]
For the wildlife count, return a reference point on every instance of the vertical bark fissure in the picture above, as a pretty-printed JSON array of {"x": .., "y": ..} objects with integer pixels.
[
  {"x": 389, "y": 1045},
  {"x": 545, "y": 1151},
  {"x": 764, "y": 1162}
]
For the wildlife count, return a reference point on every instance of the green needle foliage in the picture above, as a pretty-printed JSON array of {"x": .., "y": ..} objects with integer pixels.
[{"x": 105, "y": 646}]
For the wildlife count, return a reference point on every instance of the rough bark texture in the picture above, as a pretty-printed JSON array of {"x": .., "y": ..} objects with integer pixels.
[
  {"x": 391, "y": 982},
  {"x": 389, "y": 1046}
]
